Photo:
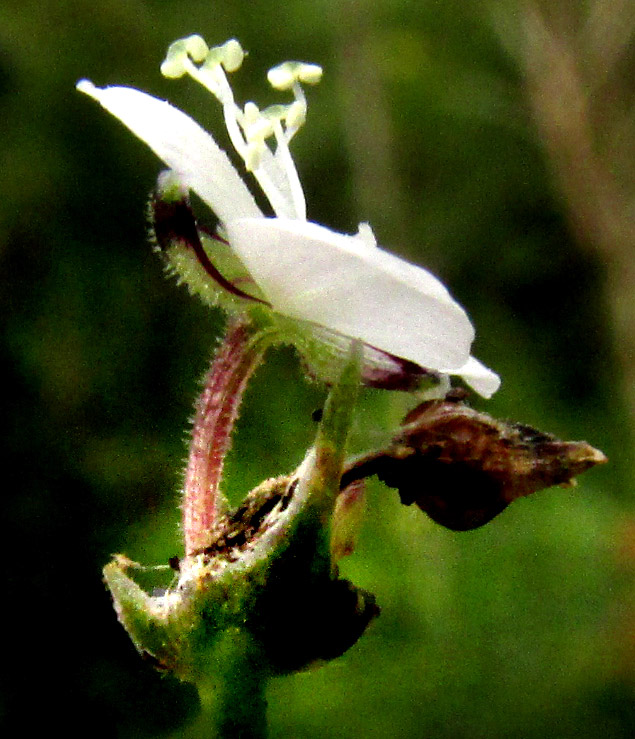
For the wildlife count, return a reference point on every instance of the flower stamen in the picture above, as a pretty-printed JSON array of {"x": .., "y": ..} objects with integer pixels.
[{"x": 250, "y": 128}]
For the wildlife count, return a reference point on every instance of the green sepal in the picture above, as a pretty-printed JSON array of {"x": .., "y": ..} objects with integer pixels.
[
  {"x": 203, "y": 261},
  {"x": 146, "y": 618}
]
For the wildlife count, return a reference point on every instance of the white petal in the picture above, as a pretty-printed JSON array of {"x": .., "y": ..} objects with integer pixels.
[
  {"x": 183, "y": 145},
  {"x": 479, "y": 377},
  {"x": 340, "y": 282}
]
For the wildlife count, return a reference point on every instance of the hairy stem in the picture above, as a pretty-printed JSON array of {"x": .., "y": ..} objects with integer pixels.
[{"x": 216, "y": 412}]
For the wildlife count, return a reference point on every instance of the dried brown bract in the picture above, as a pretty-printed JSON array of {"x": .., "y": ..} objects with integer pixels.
[{"x": 463, "y": 467}]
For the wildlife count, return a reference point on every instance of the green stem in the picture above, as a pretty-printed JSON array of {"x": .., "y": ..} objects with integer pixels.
[
  {"x": 235, "y": 709},
  {"x": 232, "y": 695},
  {"x": 330, "y": 444}
]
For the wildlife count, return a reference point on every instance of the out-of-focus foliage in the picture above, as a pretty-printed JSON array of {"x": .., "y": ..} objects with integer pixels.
[{"x": 431, "y": 123}]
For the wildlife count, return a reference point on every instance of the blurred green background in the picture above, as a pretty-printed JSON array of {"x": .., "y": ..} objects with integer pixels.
[{"x": 492, "y": 142}]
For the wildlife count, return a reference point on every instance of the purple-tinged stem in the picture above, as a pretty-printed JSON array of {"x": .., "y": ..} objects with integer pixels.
[{"x": 216, "y": 412}]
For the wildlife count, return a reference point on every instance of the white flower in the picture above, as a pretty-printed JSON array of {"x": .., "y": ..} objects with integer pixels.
[{"x": 344, "y": 283}]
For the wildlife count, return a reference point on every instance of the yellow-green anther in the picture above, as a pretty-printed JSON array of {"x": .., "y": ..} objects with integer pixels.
[
  {"x": 283, "y": 76},
  {"x": 233, "y": 55},
  {"x": 310, "y": 74},
  {"x": 180, "y": 53},
  {"x": 196, "y": 47},
  {"x": 175, "y": 62},
  {"x": 230, "y": 55}
]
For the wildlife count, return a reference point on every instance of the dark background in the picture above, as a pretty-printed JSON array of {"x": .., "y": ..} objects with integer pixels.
[{"x": 491, "y": 142}]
